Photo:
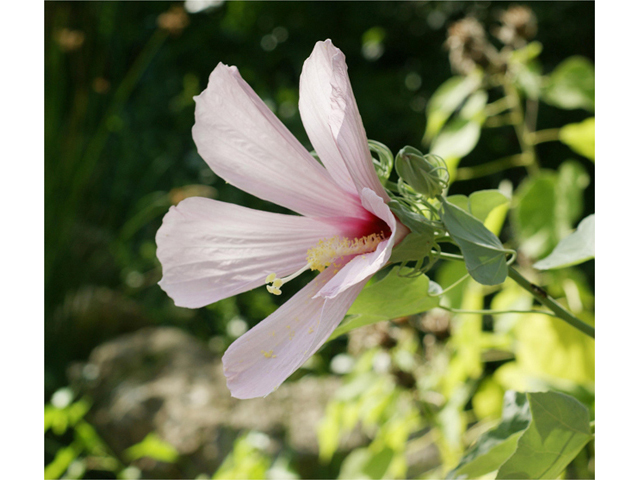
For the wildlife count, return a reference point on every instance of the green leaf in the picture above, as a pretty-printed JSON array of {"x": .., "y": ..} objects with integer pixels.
[
  {"x": 62, "y": 460},
  {"x": 553, "y": 351},
  {"x": 572, "y": 180},
  {"x": 494, "y": 447},
  {"x": 456, "y": 140},
  {"x": 481, "y": 204},
  {"x": 572, "y": 85},
  {"x": 366, "y": 464},
  {"x": 413, "y": 247},
  {"x": 527, "y": 53},
  {"x": 577, "y": 248},
  {"x": 540, "y": 433},
  {"x": 484, "y": 255},
  {"x": 153, "y": 447},
  {"x": 580, "y": 137},
  {"x": 546, "y": 207},
  {"x": 415, "y": 222},
  {"x": 558, "y": 430},
  {"x": 474, "y": 106},
  {"x": 446, "y": 99},
  {"x": 392, "y": 297}
]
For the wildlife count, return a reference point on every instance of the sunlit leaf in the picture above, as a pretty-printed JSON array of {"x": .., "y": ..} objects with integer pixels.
[
  {"x": 554, "y": 351},
  {"x": 493, "y": 448},
  {"x": 246, "y": 461},
  {"x": 455, "y": 141},
  {"x": 473, "y": 108},
  {"x": 572, "y": 180},
  {"x": 366, "y": 464},
  {"x": 62, "y": 460},
  {"x": 580, "y": 137},
  {"x": 487, "y": 401},
  {"x": 413, "y": 247},
  {"x": 558, "y": 430},
  {"x": 480, "y": 203},
  {"x": 329, "y": 430},
  {"x": 446, "y": 99},
  {"x": 153, "y": 447},
  {"x": 574, "y": 249},
  {"x": 392, "y": 297},
  {"x": 546, "y": 207},
  {"x": 484, "y": 255},
  {"x": 572, "y": 85},
  {"x": 527, "y": 53}
]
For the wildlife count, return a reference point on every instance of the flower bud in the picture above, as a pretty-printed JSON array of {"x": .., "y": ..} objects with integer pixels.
[{"x": 426, "y": 174}]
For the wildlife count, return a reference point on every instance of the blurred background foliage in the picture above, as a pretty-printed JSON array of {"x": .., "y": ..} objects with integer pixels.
[{"x": 119, "y": 82}]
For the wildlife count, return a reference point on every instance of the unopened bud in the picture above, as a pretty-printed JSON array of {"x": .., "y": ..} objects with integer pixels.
[{"x": 426, "y": 174}]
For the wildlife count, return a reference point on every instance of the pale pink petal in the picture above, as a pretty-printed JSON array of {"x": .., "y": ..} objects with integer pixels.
[
  {"x": 330, "y": 115},
  {"x": 211, "y": 250},
  {"x": 365, "y": 265},
  {"x": 259, "y": 361},
  {"x": 315, "y": 109},
  {"x": 244, "y": 143}
]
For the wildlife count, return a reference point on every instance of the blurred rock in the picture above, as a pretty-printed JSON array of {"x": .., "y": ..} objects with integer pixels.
[{"x": 165, "y": 381}]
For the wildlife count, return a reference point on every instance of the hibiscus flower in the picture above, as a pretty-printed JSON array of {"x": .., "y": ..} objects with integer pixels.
[{"x": 210, "y": 250}]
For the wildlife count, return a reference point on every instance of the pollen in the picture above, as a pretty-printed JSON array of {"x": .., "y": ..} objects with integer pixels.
[
  {"x": 268, "y": 354},
  {"x": 329, "y": 250}
]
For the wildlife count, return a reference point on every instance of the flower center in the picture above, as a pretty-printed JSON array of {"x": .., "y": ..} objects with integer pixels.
[
  {"x": 324, "y": 254},
  {"x": 329, "y": 250}
]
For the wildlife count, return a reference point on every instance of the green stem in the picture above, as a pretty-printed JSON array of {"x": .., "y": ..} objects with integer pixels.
[
  {"x": 542, "y": 296},
  {"x": 521, "y": 128},
  {"x": 469, "y": 173},
  {"x": 547, "y": 135},
  {"x": 499, "y": 106},
  {"x": 494, "y": 312}
]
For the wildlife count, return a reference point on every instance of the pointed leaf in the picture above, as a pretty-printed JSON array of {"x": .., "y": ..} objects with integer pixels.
[
  {"x": 572, "y": 85},
  {"x": 484, "y": 255},
  {"x": 446, "y": 99},
  {"x": 580, "y": 137},
  {"x": 577, "y": 248},
  {"x": 494, "y": 447},
  {"x": 559, "y": 429}
]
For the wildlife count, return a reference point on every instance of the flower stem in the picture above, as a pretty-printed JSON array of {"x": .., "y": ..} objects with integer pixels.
[
  {"x": 547, "y": 135},
  {"x": 469, "y": 173},
  {"x": 542, "y": 296},
  {"x": 494, "y": 312}
]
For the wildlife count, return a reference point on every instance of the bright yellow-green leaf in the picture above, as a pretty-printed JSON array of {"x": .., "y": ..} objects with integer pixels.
[
  {"x": 446, "y": 99},
  {"x": 580, "y": 137},
  {"x": 550, "y": 349},
  {"x": 487, "y": 401},
  {"x": 153, "y": 447}
]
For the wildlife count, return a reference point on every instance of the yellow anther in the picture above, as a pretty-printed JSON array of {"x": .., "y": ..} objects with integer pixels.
[
  {"x": 270, "y": 278},
  {"x": 328, "y": 250},
  {"x": 274, "y": 290}
]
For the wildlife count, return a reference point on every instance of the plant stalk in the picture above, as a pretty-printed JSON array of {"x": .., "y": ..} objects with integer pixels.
[{"x": 542, "y": 296}]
